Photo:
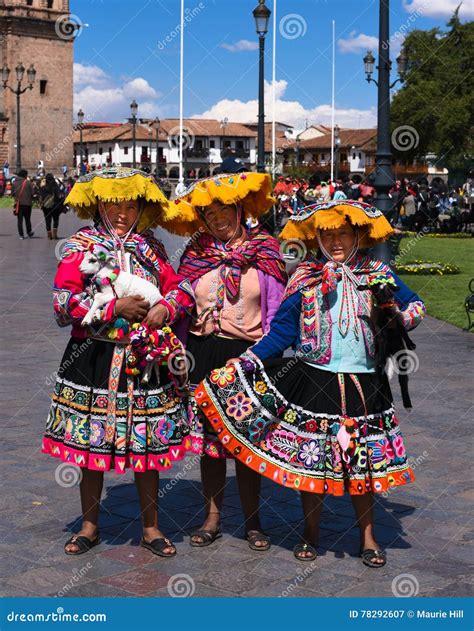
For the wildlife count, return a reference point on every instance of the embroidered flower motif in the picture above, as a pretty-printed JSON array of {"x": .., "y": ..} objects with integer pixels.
[
  {"x": 97, "y": 433},
  {"x": 257, "y": 429},
  {"x": 164, "y": 430},
  {"x": 223, "y": 376},
  {"x": 310, "y": 453},
  {"x": 324, "y": 425},
  {"x": 67, "y": 393},
  {"x": 268, "y": 400},
  {"x": 239, "y": 406},
  {"x": 261, "y": 387},
  {"x": 101, "y": 401},
  {"x": 311, "y": 426},
  {"x": 290, "y": 416},
  {"x": 81, "y": 398},
  {"x": 399, "y": 446},
  {"x": 282, "y": 443},
  {"x": 139, "y": 433},
  {"x": 378, "y": 453},
  {"x": 140, "y": 402},
  {"x": 152, "y": 402}
]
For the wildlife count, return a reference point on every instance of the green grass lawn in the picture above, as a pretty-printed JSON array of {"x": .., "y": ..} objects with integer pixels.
[{"x": 444, "y": 295}]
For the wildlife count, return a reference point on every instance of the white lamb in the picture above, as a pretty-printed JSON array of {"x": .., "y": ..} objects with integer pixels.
[{"x": 112, "y": 282}]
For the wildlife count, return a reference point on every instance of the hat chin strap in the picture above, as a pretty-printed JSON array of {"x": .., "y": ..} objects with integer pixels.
[{"x": 119, "y": 241}]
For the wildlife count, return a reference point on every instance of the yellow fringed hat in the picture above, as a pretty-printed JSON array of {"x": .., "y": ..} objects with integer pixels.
[
  {"x": 252, "y": 190},
  {"x": 117, "y": 184},
  {"x": 333, "y": 214}
]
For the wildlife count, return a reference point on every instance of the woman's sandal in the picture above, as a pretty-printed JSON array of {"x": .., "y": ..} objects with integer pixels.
[
  {"x": 368, "y": 555},
  {"x": 158, "y": 545},
  {"x": 253, "y": 536},
  {"x": 207, "y": 536},
  {"x": 83, "y": 543},
  {"x": 304, "y": 547}
]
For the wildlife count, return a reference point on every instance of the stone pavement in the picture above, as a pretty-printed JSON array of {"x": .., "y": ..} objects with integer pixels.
[{"x": 426, "y": 526}]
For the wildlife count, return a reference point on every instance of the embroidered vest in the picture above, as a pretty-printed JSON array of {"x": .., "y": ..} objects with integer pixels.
[{"x": 316, "y": 324}]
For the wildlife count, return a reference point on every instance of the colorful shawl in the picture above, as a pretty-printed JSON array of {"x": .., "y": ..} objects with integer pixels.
[
  {"x": 326, "y": 274},
  {"x": 205, "y": 253},
  {"x": 148, "y": 249}
]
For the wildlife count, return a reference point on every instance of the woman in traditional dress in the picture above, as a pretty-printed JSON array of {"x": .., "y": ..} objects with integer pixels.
[
  {"x": 322, "y": 421},
  {"x": 103, "y": 417},
  {"x": 238, "y": 276}
]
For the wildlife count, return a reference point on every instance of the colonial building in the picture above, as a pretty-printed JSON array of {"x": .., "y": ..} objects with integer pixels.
[
  {"x": 206, "y": 143},
  {"x": 32, "y": 32}
]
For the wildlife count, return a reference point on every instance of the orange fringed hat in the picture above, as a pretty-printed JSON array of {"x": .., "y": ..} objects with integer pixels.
[
  {"x": 374, "y": 227},
  {"x": 252, "y": 190}
]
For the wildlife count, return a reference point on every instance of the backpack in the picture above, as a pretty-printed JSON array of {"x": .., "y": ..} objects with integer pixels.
[{"x": 49, "y": 201}]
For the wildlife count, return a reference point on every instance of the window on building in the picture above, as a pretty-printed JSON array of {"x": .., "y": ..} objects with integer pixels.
[
  {"x": 42, "y": 148},
  {"x": 353, "y": 156},
  {"x": 227, "y": 144},
  {"x": 322, "y": 157},
  {"x": 43, "y": 84},
  {"x": 239, "y": 144},
  {"x": 360, "y": 155},
  {"x": 49, "y": 4},
  {"x": 100, "y": 151},
  {"x": 125, "y": 151},
  {"x": 343, "y": 157},
  {"x": 198, "y": 143},
  {"x": 29, "y": 3},
  {"x": 212, "y": 144}
]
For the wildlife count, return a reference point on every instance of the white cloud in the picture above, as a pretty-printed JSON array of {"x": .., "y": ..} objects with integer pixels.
[
  {"x": 439, "y": 8},
  {"x": 139, "y": 87},
  {"x": 241, "y": 45},
  {"x": 102, "y": 100},
  {"x": 89, "y": 75},
  {"x": 358, "y": 43},
  {"x": 290, "y": 112}
]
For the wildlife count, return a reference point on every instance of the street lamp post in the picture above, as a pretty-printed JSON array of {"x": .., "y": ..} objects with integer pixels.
[
  {"x": 384, "y": 178},
  {"x": 18, "y": 91},
  {"x": 337, "y": 143},
  {"x": 297, "y": 150},
  {"x": 80, "y": 120},
  {"x": 223, "y": 125},
  {"x": 157, "y": 132},
  {"x": 134, "y": 110},
  {"x": 261, "y": 14}
]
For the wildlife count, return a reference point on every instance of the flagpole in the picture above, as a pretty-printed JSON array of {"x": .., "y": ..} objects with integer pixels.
[
  {"x": 273, "y": 89},
  {"x": 333, "y": 93},
  {"x": 181, "y": 81}
]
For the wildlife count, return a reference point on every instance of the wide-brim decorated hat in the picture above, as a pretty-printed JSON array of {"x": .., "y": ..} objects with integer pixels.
[
  {"x": 374, "y": 227},
  {"x": 253, "y": 191},
  {"x": 115, "y": 184}
]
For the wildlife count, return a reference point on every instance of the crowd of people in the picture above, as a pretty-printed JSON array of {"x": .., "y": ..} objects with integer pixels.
[
  {"x": 416, "y": 206},
  {"x": 321, "y": 422}
]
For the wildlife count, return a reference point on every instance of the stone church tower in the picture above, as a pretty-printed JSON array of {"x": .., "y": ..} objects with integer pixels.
[{"x": 37, "y": 32}]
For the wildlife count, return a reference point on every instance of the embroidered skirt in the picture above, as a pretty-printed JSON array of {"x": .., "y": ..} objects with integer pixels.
[
  {"x": 307, "y": 428},
  {"x": 148, "y": 437},
  {"x": 207, "y": 353}
]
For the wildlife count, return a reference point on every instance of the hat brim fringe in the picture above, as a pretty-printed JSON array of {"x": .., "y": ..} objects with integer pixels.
[
  {"x": 254, "y": 193},
  {"x": 373, "y": 230},
  {"x": 84, "y": 197}
]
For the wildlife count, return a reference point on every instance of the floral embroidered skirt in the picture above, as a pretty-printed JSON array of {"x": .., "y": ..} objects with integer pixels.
[
  {"x": 307, "y": 428},
  {"x": 207, "y": 353},
  {"x": 155, "y": 433}
]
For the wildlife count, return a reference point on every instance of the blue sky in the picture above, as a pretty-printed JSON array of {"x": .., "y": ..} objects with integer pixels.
[{"x": 130, "y": 50}]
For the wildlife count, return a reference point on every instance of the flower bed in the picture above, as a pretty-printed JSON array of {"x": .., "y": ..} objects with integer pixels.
[{"x": 426, "y": 268}]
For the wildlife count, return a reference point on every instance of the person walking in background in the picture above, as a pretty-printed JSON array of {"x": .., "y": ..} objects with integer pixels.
[
  {"x": 22, "y": 191},
  {"x": 52, "y": 204}
]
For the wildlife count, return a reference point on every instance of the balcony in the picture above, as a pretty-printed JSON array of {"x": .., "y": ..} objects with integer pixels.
[
  {"x": 197, "y": 152},
  {"x": 236, "y": 153}
]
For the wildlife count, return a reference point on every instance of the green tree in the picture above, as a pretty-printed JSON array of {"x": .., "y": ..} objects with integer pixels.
[{"x": 437, "y": 96}]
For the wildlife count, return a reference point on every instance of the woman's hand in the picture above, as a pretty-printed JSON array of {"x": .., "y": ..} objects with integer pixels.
[
  {"x": 156, "y": 317},
  {"x": 233, "y": 361},
  {"x": 132, "y": 308}
]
